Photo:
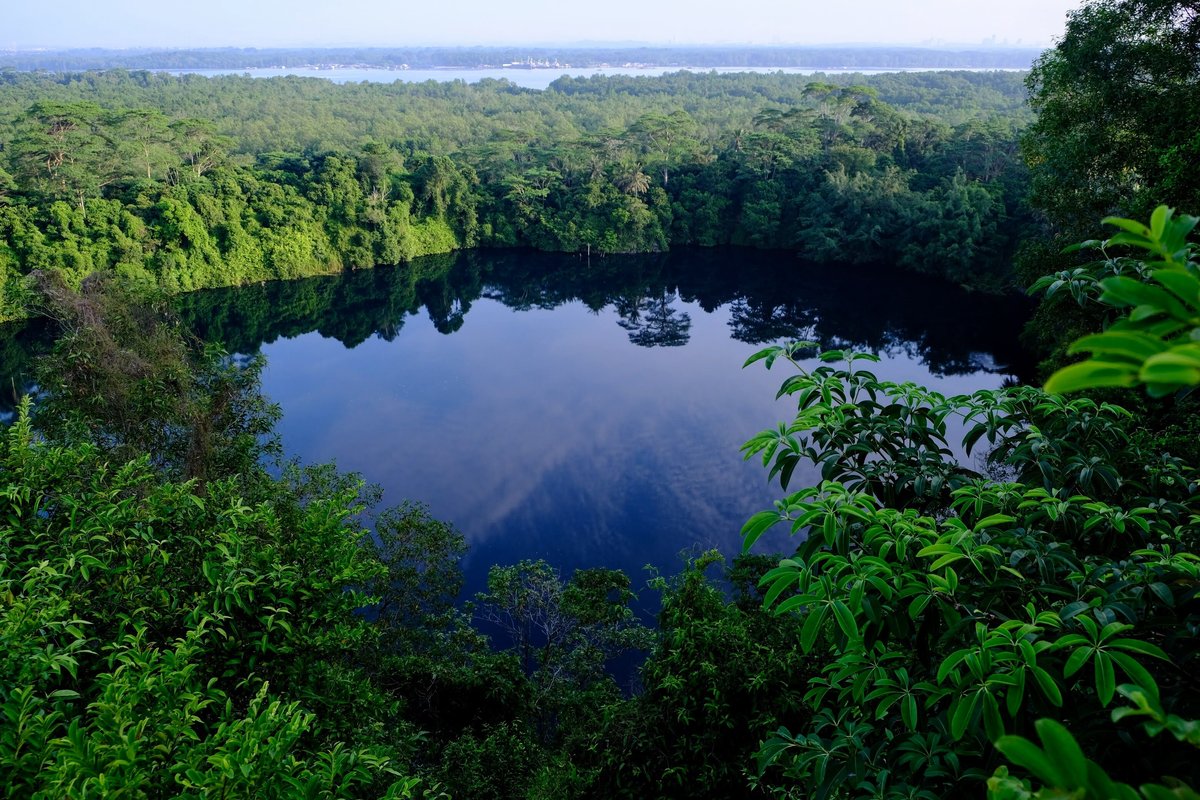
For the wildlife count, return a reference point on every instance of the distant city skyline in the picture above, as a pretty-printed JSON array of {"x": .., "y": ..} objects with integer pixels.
[{"x": 120, "y": 24}]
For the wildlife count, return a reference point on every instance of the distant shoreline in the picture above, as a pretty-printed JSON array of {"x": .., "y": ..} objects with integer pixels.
[
  {"x": 539, "y": 78},
  {"x": 526, "y": 58}
]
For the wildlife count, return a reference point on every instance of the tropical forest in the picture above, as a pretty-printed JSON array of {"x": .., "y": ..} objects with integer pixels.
[{"x": 731, "y": 422}]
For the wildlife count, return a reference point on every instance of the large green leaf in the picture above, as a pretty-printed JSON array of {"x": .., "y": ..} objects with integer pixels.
[
  {"x": 1134, "y": 345},
  {"x": 1092, "y": 375}
]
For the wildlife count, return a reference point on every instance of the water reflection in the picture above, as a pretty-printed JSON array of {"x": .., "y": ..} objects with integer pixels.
[
  {"x": 589, "y": 413},
  {"x": 768, "y": 296},
  {"x": 654, "y": 321},
  {"x": 586, "y": 412}
]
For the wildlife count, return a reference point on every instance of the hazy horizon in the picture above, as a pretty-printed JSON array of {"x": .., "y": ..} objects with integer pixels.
[
  {"x": 574, "y": 45},
  {"x": 275, "y": 24}
]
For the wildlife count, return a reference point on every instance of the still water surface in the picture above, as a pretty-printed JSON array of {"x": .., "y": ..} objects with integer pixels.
[{"x": 587, "y": 413}]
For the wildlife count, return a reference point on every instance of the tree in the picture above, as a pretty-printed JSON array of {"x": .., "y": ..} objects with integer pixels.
[
  {"x": 564, "y": 633},
  {"x": 941, "y": 599},
  {"x": 143, "y": 137},
  {"x": 631, "y": 180},
  {"x": 111, "y": 682},
  {"x": 667, "y": 140},
  {"x": 7, "y": 186},
  {"x": 202, "y": 148},
  {"x": 720, "y": 673},
  {"x": 63, "y": 152},
  {"x": 125, "y": 378},
  {"x": 1117, "y": 112},
  {"x": 953, "y": 605},
  {"x": 1154, "y": 347},
  {"x": 423, "y": 579}
]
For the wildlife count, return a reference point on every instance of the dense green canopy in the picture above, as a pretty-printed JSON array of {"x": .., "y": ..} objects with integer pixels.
[
  {"x": 193, "y": 182},
  {"x": 1117, "y": 116}
]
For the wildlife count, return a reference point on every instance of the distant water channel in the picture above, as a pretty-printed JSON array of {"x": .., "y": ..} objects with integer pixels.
[{"x": 587, "y": 413}]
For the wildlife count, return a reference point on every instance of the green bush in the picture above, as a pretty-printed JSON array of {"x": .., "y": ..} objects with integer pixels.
[
  {"x": 159, "y": 642},
  {"x": 952, "y": 605}
]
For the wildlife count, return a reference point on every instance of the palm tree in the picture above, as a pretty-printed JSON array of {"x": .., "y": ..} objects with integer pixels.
[{"x": 633, "y": 181}]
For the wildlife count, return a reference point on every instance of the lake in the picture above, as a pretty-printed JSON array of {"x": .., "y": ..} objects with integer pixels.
[{"x": 584, "y": 412}]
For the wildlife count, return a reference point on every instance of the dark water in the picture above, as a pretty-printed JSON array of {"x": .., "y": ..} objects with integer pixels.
[{"x": 585, "y": 413}]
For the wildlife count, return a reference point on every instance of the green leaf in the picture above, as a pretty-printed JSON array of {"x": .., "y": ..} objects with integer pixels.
[
  {"x": 950, "y": 662},
  {"x": 778, "y": 586},
  {"x": 1092, "y": 375},
  {"x": 1132, "y": 226},
  {"x": 1138, "y": 646},
  {"x": 812, "y": 628},
  {"x": 1158, "y": 221},
  {"x": 908, "y": 712},
  {"x": 756, "y": 526},
  {"x": 1106, "y": 679},
  {"x": 1135, "y": 671},
  {"x": 1131, "y": 239},
  {"x": 1130, "y": 344},
  {"x": 1076, "y": 661},
  {"x": 768, "y": 353},
  {"x": 949, "y": 558},
  {"x": 845, "y": 619},
  {"x": 1063, "y": 751},
  {"x": 1048, "y": 685},
  {"x": 993, "y": 724},
  {"x": 1184, "y": 355},
  {"x": 790, "y": 604},
  {"x": 1182, "y": 284},
  {"x": 1100, "y": 785},
  {"x": 1163, "y": 592},
  {"x": 1072, "y": 609},
  {"x": 1122, "y": 290},
  {"x": 917, "y": 606},
  {"x": 1025, "y": 753},
  {"x": 1153, "y": 791},
  {"x": 960, "y": 715},
  {"x": 1165, "y": 369},
  {"x": 773, "y": 748}
]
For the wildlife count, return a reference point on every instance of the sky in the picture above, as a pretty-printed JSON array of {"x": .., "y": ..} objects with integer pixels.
[{"x": 288, "y": 23}]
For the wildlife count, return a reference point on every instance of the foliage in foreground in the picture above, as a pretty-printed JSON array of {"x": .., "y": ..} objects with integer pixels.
[
  {"x": 1155, "y": 344},
  {"x": 953, "y": 606},
  {"x": 162, "y": 643}
]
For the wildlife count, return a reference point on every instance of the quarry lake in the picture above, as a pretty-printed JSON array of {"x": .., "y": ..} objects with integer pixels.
[{"x": 586, "y": 412}]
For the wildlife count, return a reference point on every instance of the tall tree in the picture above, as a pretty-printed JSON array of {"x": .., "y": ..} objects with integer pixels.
[
  {"x": 199, "y": 143},
  {"x": 142, "y": 137},
  {"x": 1117, "y": 111},
  {"x": 667, "y": 140},
  {"x": 63, "y": 153}
]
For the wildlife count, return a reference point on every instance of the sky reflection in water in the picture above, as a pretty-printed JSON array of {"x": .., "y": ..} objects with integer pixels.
[{"x": 484, "y": 386}]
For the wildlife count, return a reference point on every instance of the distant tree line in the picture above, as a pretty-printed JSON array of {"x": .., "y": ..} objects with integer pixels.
[{"x": 427, "y": 57}]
